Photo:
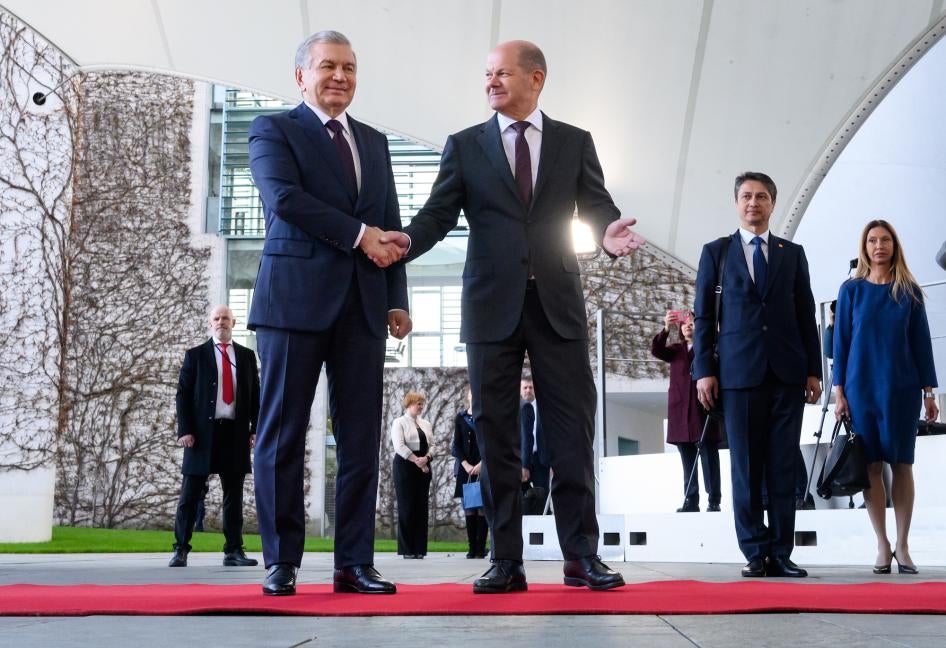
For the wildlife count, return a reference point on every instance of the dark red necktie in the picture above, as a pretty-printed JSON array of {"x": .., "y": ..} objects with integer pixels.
[
  {"x": 523, "y": 163},
  {"x": 344, "y": 152},
  {"x": 227, "y": 379}
]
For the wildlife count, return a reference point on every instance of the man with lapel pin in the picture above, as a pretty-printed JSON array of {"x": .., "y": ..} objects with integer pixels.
[
  {"x": 217, "y": 406},
  {"x": 769, "y": 366},
  {"x": 328, "y": 190},
  {"x": 519, "y": 178}
]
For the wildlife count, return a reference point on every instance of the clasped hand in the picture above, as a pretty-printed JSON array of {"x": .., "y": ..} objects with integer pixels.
[{"x": 383, "y": 248}]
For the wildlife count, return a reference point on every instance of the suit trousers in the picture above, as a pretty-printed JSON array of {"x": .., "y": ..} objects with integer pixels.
[
  {"x": 763, "y": 425},
  {"x": 565, "y": 386},
  {"x": 290, "y": 363},
  {"x": 412, "y": 486},
  {"x": 192, "y": 490}
]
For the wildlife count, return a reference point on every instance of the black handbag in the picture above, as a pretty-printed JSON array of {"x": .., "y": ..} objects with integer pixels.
[{"x": 845, "y": 468}]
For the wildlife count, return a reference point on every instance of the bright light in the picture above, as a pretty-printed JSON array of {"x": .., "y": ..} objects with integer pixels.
[{"x": 582, "y": 238}]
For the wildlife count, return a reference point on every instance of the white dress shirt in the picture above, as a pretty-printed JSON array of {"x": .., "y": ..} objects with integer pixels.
[
  {"x": 749, "y": 249},
  {"x": 224, "y": 411},
  {"x": 533, "y": 139},
  {"x": 346, "y": 131}
]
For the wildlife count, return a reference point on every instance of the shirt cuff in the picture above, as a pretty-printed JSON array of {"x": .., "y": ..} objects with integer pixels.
[{"x": 361, "y": 233}]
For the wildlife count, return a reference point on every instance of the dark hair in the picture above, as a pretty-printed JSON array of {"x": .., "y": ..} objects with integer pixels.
[
  {"x": 526, "y": 378},
  {"x": 758, "y": 176},
  {"x": 833, "y": 304}
]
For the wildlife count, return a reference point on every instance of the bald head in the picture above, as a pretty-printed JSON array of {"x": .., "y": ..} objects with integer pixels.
[
  {"x": 220, "y": 321},
  {"x": 515, "y": 75}
]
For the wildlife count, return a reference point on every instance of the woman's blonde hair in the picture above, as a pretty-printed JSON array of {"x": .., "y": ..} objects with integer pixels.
[
  {"x": 412, "y": 398},
  {"x": 903, "y": 280}
]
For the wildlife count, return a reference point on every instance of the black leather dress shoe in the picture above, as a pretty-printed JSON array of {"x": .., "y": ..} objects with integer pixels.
[
  {"x": 502, "y": 576},
  {"x": 280, "y": 580},
  {"x": 755, "y": 568},
  {"x": 780, "y": 566},
  {"x": 362, "y": 579},
  {"x": 590, "y": 572},
  {"x": 713, "y": 508},
  {"x": 690, "y": 505},
  {"x": 179, "y": 559},
  {"x": 238, "y": 559}
]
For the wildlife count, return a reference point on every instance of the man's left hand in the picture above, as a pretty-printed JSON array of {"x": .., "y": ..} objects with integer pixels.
[
  {"x": 620, "y": 239},
  {"x": 812, "y": 390},
  {"x": 399, "y": 323}
]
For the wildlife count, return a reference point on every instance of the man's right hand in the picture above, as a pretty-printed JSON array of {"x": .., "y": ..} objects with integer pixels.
[
  {"x": 187, "y": 441},
  {"x": 707, "y": 391},
  {"x": 526, "y": 475},
  {"x": 382, "y": 253}
]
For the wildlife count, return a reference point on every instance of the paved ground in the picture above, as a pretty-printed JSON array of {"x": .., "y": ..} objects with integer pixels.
[{"x": 809, "y": 630}]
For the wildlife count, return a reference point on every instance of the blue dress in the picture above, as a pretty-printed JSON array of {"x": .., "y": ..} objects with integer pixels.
[{"x": 883, "y": 357}]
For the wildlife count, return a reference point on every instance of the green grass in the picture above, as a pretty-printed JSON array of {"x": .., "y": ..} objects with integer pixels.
[{"x": 84, "y": 540}]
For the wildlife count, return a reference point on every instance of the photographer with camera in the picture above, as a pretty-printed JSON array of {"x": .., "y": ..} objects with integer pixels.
[{"x": 685, "y": 416}]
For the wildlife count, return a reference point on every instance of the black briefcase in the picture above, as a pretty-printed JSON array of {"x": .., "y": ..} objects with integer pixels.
[{"x": 845, "y": 468}]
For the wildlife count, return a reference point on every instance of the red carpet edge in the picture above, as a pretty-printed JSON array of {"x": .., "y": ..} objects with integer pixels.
[{"x": 659, "y": 597}]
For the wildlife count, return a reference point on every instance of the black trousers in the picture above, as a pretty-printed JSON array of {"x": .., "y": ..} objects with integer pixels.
[
  {"x": 565, "y": 386},
  {"x": 412, "y": 486},
  {"x": 709, "y": 457},
  {"x": 192, "y": 488}
]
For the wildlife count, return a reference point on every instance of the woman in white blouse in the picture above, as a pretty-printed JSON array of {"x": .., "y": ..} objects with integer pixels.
[{"x": 412, "y": 438}]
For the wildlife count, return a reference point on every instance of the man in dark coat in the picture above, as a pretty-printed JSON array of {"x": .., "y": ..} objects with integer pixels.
[{"x": 217, "y": 408}]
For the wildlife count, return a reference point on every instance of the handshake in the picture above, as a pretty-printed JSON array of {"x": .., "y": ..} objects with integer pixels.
[{"x": 384, "y": 248}]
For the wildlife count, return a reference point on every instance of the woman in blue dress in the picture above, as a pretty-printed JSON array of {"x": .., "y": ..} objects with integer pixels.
[{"x": 883, "y": 371}]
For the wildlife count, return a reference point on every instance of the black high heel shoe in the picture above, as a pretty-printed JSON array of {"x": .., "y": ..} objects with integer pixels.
[
  {"x": 904, "y": 569},
  {"x": 884, "y": 569}
]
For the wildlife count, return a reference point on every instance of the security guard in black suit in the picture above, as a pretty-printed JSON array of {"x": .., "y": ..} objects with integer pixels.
[{"x": 217, "y": 408}]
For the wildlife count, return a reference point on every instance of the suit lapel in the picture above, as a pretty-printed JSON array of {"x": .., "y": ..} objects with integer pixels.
[
  {"x": 313, "y": 127},
  {"x": 551, "y": 144},
  {"x": 208, "y": 355},
  {"x": 737, "y": 257},
  {"x": 776, "y": 254},
  {"x": 366, "y": 159},
  {"x": 491, "y": 142}
]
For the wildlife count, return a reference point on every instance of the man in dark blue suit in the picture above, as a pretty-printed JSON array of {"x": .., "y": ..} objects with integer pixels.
[
  {"x": 328, "y": 190},
  {"x": 519, "y": 178},
  {"x": 769, "y": 366},
  {"x": 534, "y": 451}
]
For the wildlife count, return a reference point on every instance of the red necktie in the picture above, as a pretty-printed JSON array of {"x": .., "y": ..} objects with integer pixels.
[{"x": 227, "y": 374}]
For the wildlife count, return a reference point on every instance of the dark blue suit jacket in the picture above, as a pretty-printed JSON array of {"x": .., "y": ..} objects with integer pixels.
[
  {"x": 506, "y": 236},
  {"x": 776, "y": 329},
  {"x": 312, "y": 222}
]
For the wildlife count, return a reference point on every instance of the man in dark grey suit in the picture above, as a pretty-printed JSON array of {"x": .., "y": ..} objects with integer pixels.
[
  {"x": 217, "y": 406},
  {"x": 519, "y": 178},
  {"x": 328, "y": 191}
]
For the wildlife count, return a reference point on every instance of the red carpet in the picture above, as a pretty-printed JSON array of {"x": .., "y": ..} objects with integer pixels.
[{"x": 661, "y": 597}]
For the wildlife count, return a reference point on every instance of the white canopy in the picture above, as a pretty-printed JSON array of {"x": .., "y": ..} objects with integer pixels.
[{"x": 680, "y": 96}]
